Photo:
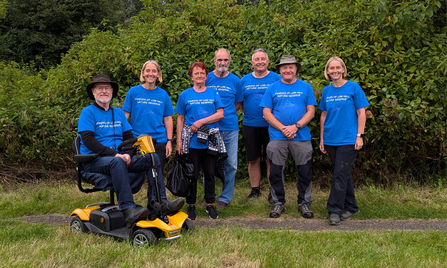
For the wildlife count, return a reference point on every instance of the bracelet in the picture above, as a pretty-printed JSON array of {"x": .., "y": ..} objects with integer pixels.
[{"x": 169, "y": 140}]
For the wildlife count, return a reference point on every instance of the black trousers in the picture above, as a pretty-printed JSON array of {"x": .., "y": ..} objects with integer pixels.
[
  {"x": 201, "y": 159},
  {"x": 342, "y": 197},
  {"x": 160, "y": 150}
]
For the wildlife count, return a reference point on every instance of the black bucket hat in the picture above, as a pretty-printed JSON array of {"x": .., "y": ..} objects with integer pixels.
[
  {"x": 288, "y": 59},
  {"x": 101, "y": 78}
]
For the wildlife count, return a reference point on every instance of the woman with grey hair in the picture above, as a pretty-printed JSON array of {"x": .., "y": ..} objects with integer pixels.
[{"x": 342, "y": 124}]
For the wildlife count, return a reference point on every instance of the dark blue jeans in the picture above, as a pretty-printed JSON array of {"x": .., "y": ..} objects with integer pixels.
[
  {"x": 123, "y": 184},
  {"x": 342, "y": 197}
]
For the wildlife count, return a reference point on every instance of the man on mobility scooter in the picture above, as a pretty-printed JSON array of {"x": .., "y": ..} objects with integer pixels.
[{"x": 102, "y": 129}]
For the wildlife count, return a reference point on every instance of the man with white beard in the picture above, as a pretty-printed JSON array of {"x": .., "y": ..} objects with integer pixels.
[
  {"x": 102, "y": 129},
  {"x": 229, "y": 87}
]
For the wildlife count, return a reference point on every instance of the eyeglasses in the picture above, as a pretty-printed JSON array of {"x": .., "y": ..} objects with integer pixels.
[{"x": 107, "y": 88}]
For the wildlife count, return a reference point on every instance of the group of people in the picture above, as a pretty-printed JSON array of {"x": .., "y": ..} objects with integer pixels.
[{"x": 276, "y": 109}]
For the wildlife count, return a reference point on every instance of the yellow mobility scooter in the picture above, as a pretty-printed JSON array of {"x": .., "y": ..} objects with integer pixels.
[{"x": 105, "y": 218}]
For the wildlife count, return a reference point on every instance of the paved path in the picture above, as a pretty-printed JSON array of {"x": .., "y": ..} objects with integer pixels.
[
  {"x": 322, "y": 225},
  {"x": 289, "y": 223}
]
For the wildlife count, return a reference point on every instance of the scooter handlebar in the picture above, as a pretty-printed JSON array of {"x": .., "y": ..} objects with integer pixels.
[{"x": 122, "y": 148}]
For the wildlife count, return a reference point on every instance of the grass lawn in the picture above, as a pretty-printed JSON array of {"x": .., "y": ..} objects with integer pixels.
[{"x": 25, "y": 245}]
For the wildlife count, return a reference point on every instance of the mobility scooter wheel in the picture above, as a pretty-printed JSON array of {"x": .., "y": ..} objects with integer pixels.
[
  {"x": 188, "y": 226},
  {"x": 143, "y": 237},
  {"x": 77, "y": 225}
]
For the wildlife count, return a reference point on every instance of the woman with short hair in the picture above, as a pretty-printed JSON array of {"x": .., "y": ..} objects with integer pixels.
[{"x": 199, "y": 109}]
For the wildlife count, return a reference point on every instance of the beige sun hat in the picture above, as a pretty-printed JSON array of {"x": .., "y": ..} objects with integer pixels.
[{"x": 288, "y": 59}]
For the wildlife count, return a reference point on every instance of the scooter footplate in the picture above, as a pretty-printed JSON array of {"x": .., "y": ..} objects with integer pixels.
[{"x": 121, "y": 233}]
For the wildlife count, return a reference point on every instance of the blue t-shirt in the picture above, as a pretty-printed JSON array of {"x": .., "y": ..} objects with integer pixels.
[
  {"x": 288, "y": 104},
  {"x": 101, "y": 123},
  {"x": 341, "y": 104},
  {"x": 254, "y": 89},
  {"x": 147, "y": 109},
  {"x": 230, "y": 91},
  {"x": 197, "y": 105}
]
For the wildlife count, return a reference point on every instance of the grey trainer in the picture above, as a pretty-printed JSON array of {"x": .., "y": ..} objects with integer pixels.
[
  {"x": 305, "y": 211},
  {"x": 348, "y": 214},
  {"x": 334, "y": 219},
  {"x": 276, "y": 211}
]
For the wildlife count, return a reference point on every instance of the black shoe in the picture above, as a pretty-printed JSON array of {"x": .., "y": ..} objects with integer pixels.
[
  {"x": 191, "y": 212},
  {"x": 134, "y": 214},
  {"x": 254, "y": 193},
  {"x": 152, "y": 215},
  {"x": 175, "y": 205},
  {"x": 212, "y": 212}
]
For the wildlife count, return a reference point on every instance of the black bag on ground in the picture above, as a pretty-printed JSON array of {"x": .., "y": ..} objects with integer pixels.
[{"x": 179, "y": 177}]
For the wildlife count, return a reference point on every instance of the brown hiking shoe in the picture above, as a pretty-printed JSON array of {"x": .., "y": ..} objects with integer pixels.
[
  {"x": 221, "y": 205},
  {"x": 305, "y": 211},
  {"x": 276, "y": 211}
]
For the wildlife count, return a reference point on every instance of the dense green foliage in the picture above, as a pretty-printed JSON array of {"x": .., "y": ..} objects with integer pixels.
[
  {"x": 33, "y": 128},
  {"x": 396, "y": 50},
  {"x": 42, "y": 30},
  {"x": 2, "y": 9}
]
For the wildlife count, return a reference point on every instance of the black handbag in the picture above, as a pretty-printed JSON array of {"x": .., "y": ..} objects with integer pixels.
[{"x": 180, "y": 177}]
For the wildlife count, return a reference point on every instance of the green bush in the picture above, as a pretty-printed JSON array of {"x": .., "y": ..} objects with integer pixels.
[
  {"x": 33, "y": 129},
  {"x": 396, "y": 50}
]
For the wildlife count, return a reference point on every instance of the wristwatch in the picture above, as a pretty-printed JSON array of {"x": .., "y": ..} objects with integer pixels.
[
  {"x": 360, "y": 135},
  {"x": 169, "y": 140},
  {"x": 298, "y": 126}
]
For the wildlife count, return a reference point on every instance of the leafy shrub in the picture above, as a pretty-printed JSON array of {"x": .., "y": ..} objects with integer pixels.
[
  {"x": 396, "y": 50},
  {"x": 33, "y": 130}
]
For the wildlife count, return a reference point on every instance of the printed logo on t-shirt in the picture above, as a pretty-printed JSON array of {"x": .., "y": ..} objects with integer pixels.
[
  {"x": 288, "y": 94},
  {"x": 201, "y": 101},
  {"x": 221, "y": 88},
  {"x": 254, "y": 87},
  {"x": 148, "y": 101},
  {"x": 338, "y": 98},
  {"x": 104, "y": 124}
]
